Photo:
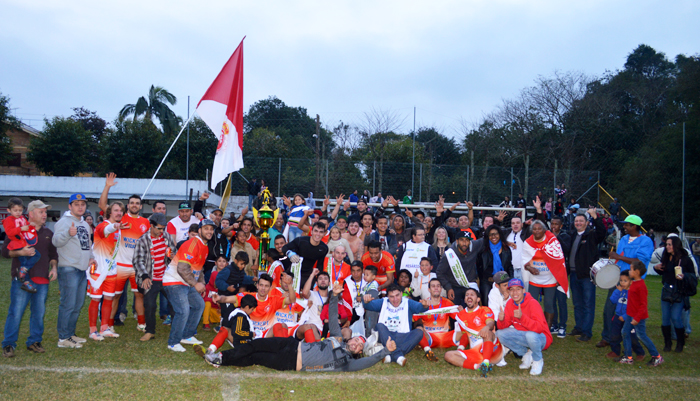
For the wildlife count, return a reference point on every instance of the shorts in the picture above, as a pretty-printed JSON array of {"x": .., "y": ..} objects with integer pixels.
[
  {"x": 443, "y": 339},
  {"x": 124, "y": 274},
  {"x": 476, "y": 354},
  {"x": 105, "y": 289}
]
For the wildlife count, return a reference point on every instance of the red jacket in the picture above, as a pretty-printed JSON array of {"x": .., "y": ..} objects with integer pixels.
[
  {"x": 532, "y": 319},
  {"x": 637, "y": 301}
]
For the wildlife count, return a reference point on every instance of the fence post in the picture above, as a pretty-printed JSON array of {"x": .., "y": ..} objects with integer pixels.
[
  {"x": 420, "y": 184},
  {"x": 327, "y": 177},
  {"x": 374, "y": 178},
  {"x": 467, "y": 198},
  {"x": 598, "y": 186},
  {"x": 279, "y": 178},
  {"x": 556, "y": 165}
]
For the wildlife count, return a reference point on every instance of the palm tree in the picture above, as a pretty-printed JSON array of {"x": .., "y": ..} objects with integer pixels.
[{"x": 154, "y": 106}]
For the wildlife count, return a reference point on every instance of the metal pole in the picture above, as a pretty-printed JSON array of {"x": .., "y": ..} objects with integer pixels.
[
  {"x": 374, "y": 178},
  {"x": 555, "y": 180},
  {"x": 467, "y": 198},
  {"x": 413, "y": 163},
  {"x": 683, "y": 187},
  {"x": 318, "y": 154},
  {"x": 598, "y": 201},
  {"x": 511, "y": 185},
  {"x": 420, "y": 184},
  {"x": 279, "y": 178},
  {"x": 326, "y": 176},
  {"x": 187, "y": 168}
]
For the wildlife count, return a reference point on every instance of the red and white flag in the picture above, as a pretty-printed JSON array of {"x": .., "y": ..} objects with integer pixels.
[
  {"x": 221, "y": 108},
  {"x": 549, "y": 250}
]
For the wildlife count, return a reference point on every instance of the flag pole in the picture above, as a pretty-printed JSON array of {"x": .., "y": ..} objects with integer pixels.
[
  {"x": 226, "y": 195},
  {"x": 166, "y": 155}
]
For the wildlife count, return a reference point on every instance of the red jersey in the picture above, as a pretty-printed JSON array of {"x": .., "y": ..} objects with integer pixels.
[
  {"x": 385, "y": 265},
  {"x": 158, "y": 256},
  {"x": 18, "y": 238},
  {"x": 637, "y": 300},
  {"x": 437, "y": 323},
  {"x": 337, "y": 272},
  {"x": 193, "y": 252},
  {"x": 253, "y": 241},
  {"x": 472, "y": 322},
  {"x": 263, "y": 316},
  {"x": 104, "y": 247},
  {"x": 138, "y": 226}
]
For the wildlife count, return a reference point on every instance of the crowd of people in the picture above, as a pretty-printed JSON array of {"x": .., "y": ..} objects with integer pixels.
[{"x": 340, "y": 289}]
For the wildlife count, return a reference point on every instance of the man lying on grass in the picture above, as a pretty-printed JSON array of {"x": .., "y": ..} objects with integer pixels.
[{"x": 330, "y": 355}]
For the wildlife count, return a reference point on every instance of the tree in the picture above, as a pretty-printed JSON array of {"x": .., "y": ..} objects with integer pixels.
[
  {"x": 155, "y": 106},
  {"x": 134, "y": 149},
  {"x": 7, "y": 121},
  {"x": 96, "y": 127},
  {"x": 62, "y": 149}
]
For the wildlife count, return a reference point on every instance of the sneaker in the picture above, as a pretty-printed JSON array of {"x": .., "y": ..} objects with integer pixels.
[
  {"x": 502, "y": 363},
  {"x": 68, "y": 343},
  {"x": 553, "y": 330},
  {"x": 217, "y": 328},
  {"x": 176, "y": 348},
  {"x": 656, "y": 361},
  {"x": 430, "y": 355},
  {"x": 36, "y": 348},
  {"x": 401, "y": 361},
  {"x": 28, "y": 286},
  {"x": 118, "y": 322},
  {"x": 207, "y": 327},
  {"x": 527, "y": 360},
  {"x": 199, "y": 350},
  {"x": 8, "y": 352},
  {"x": 485, "y": 368},
  {"x": 561, "y": 333},
  {"x": 387, "y": 359},
  {"x": 141, "y": 327},
  {"x": 168, "y": 320},
  {"x": 190, "y": 341},
  {"x": 79, "y": 340},
  {"x": 214, "y": 359},
  {"x": 96, "y": 336},
  {"x": 627, "y": 360},
  {"x": 537, "y": 366},
  {"x": 109, "y": 333}
]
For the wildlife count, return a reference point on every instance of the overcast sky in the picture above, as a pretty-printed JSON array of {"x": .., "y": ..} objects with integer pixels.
[{"x": 452, "y": 60}]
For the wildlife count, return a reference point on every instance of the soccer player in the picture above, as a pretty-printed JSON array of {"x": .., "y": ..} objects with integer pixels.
[
  {"x": 180, "y": 225},
  {"x": 436, "y": 326},
  {"x": 310, "y": 324},
  {"x": 475, "y": 327},
  {"x": 383, "y": 261},
  {"x": 239, "y": 324},
  {"x": 103, "y": 279}
]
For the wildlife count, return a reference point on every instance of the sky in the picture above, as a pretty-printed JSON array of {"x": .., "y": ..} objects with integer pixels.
[{"x": 454, "y": 61}]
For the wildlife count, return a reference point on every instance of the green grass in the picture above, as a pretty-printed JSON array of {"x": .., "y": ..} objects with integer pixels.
[{"x": 127, "y": 368}]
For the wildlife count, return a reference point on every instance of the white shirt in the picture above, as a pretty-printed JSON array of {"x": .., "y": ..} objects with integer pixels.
[{"x": 518, "y": 252}]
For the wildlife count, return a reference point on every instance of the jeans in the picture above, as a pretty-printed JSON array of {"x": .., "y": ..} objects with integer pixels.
[
  {"x": 250, "y": 201},
  {"x": 294, "y": 232},
  {"x": 616, "y": 338},
  {"x": 521, "y": 341},
  {"x": 29, "y": 261},
  {"x": 18, "y": 304},
  {"x": 163, "y": 301},
  {"x": 549, "y": 294},
  {"x": 405, "y": 342},
  {"x": 583, "y": 297},
  {"x": 672, "y": 313},
  {"x": 149, "y": 304},
  {"x": 608, "y": 313},
  {"x": 641, "y": 329},
  {"x": 188, "y": 305},
  {"x": 561, "y": 313},
  {"x": 73, "y": 285}
]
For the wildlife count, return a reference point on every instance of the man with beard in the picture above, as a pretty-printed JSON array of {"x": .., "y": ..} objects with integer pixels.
[
  {"x": 353, "y": 238},
  {"x": 383, "y": 236},
  {"x": 457, "y": 269},
  {"x": 310, "y": 323},
  {"x": 436, "y": 325},
  {"x": 383, "y": 261}
]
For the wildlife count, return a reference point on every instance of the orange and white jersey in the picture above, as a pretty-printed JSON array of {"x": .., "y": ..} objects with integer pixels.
[
  {"x": 385, "y": 265},
  {"x": 194, "y": 252},
  {"x": 180, "y": 229},
  {"x": 263, "y": 316},
  {"x": 472, "y": 322},
  {"x": 105, "y": 248},
  {"x": 129, "y": 236},
  {"x": 545, "y": 278},
  {"x": 289, "y": 314},
  {"x": 338, "y": 272},
  {"x": 275, "y": 271},
  {"x": 437, "y": 323}
]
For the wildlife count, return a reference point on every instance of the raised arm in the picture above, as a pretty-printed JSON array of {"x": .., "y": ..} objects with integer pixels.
[{"x": 104, "y": 197}]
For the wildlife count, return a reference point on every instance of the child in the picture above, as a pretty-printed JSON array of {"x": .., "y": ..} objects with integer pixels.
[
  {"x": 637, "y": 315},
  {"x": 422, "y": 279},
  {"x": 237, "y": 327},
  {"x": 275, "y": 267},
  {"x": 369, "y": 275},
  {"x": 619, "y": 298},
  {"x": 212, "y": 311},
  {"x": 21, "y": 235}
]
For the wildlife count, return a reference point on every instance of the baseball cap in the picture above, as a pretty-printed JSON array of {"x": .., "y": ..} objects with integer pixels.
[
  {"x": 77, "y": 196},
  {"x": 158, "y": 219},
  {"x": 634, "y": 219},
  {"x": 37, "y": 204},
  {"x": 515, "y": 282},
  {"x": 217, "y": 210},
  {"x": 206, "y": 222},
  {"x": 184, "y": 205},
  {"x": 342, "y": 217},
  {"x": 501, "y": 277},
  {"x": 464, "y": 234}
]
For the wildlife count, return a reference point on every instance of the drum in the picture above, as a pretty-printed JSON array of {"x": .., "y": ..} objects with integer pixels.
[{"x": 605, "y": 274}]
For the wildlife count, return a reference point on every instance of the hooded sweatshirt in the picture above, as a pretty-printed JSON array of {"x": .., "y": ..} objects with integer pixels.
[
  {"x": 73, "y": 251},
  {"x": 531, "y": 320}
]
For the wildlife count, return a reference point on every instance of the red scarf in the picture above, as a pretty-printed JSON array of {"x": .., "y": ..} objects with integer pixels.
[{"x": 552, "y": 254}]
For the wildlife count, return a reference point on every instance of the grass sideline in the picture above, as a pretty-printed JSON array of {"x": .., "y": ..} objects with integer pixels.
[{"x": 127, "y": 368}]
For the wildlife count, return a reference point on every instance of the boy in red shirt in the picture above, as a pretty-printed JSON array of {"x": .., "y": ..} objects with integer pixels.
[
  {"x": 637, "y": 314},
  {"x": 21, "y": 235}
]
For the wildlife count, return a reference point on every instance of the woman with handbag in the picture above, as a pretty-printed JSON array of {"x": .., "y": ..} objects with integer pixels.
[{"x": 678, "y": 275}]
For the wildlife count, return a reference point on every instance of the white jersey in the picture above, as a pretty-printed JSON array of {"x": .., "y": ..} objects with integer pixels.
[
  {"x": 395, "y": 319},
  {"x": 412, "y": 254},
  {"x": 312, "y": 315},
  {"x": 180, "y": 229}
]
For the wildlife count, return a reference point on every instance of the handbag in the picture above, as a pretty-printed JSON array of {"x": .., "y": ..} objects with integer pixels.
[{"x": 688, "y": 287}]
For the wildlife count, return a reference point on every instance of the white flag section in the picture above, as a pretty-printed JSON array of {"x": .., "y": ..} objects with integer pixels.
[{"x": 229, "y": 155}]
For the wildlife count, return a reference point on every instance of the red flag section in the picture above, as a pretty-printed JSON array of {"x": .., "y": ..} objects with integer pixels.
[{"x": 550, "y": 251}]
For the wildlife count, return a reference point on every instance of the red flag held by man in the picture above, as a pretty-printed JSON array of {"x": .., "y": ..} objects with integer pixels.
[{"x": 548, "y": 251}]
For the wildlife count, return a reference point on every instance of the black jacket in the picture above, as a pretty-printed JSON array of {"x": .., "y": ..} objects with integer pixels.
[
  {"x": 587, "y": 253},
  {"x": 484, "y": 263}
]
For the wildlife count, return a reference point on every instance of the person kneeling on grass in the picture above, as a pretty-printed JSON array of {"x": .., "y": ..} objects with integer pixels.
[
  {"x": 237, "y": 326},
  {"x": 287, "y": 353},
  {"x": 530, "y": 334}
]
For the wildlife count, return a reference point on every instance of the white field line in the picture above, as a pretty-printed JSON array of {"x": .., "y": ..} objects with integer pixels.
[
  {"x": 230, "y": 390},
  {"x": 237, "y": 375}
]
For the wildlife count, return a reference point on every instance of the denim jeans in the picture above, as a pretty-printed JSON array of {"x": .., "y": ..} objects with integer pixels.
[
  {"x": 616, "y": 338},
  {"x": 521, "y": 341},
  {"x": 73, "y": 285},
  {"x": 561, "y": 312},
  {"x": 163, "y": 303},
  {"x": 583, "y": 297},
  {"x": 405, "y": 342},
  {"x": 29, "y": 261},
  {"x": 641, "y": 329},
  {"x": 149, "y": 304},
  {"x": 608, "y": 312},
  {"x": 672, "y": 313},
  {"x": 294, "y": 232},
  {"x": 188, "y": 305},
  {"x": 18, "y": 304},
  {"x": 250, "y": 202}
]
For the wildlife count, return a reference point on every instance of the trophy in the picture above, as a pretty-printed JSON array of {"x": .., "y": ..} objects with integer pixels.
[{"x": 264, "y": 218}]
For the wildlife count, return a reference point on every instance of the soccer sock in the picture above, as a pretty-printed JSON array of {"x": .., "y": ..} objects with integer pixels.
[
  {"x": 92, "y": 314},
  {"x": 425, "y": 344},
  {"x": 279, "y": 331},
  {"x": 464, "y": 340},
  {"x": 309, "y": 336},
  {"x": 106, "y": 311},
  {"x": 469, "y": 363},
  {"x": 141, "y": 319},
  {"x": 488, "y": 350},
  {"x": 218, "y": 341}
]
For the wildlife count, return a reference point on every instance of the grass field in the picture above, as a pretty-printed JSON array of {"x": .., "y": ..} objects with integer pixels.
[{"x": 126, "y": 368}]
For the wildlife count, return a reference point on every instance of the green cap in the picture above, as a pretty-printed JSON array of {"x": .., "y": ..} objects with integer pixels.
[{"x": 634, "y": 219}]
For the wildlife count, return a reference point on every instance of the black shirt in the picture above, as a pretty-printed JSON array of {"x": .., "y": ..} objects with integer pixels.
[{"x": 311, "y": 254}]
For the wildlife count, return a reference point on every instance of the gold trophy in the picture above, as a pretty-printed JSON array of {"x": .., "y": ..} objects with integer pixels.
[{"x": 264, "y": 218}]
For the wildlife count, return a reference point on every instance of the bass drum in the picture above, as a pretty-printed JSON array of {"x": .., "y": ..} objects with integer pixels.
[{"x": 605, "y": 274}]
